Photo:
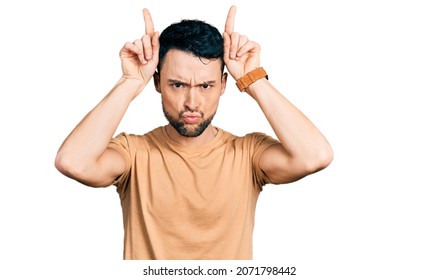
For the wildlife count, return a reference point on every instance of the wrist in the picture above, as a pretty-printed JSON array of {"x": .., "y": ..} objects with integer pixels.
[
  {"x": 251, "y": 77},
  {"x": 256, "y": 87},
  {"x": 131, "y": 87}
]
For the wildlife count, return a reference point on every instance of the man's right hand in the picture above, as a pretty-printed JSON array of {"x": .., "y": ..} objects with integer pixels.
[
  {"x": 140, "y": 58},
  {"x": 84, "y": 155}
]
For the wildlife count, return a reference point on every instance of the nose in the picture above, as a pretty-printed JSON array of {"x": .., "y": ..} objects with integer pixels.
[{"x": 191, "y": 100}]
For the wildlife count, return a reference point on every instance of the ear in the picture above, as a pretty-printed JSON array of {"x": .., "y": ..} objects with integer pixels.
[
  {"x": 157, "y": 82},
  {"x": 223, "y": 83}
]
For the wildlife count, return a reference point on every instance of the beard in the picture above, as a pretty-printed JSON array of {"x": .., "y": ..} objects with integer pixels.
[{"x": 188, "y": 130}]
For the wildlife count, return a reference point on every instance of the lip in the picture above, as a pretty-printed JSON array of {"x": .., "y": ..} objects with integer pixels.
[{"x": 191, "y": 119}]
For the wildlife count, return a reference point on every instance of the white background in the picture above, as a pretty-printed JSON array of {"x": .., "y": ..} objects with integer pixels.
[{"x": 365, "y": 72}]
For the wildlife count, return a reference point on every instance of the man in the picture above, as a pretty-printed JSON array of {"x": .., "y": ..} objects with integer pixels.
[{"x": 189, "y": 189}]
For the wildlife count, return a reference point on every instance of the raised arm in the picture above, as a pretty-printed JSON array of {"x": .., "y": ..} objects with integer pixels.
[
  {"x": 303, "y": 149},
  {"x": 84, "y": 155}
]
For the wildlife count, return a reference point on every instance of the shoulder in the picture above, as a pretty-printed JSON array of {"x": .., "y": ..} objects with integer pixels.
[
  {"x": 130, "y": 140},
  {"x": 258, "y": 138},
  {"x": 253, "y": 139}
]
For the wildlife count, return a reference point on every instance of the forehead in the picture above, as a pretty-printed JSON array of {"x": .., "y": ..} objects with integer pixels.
[{"x": 179, "y": 63}]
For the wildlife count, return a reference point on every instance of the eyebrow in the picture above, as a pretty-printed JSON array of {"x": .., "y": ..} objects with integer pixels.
[{"x": 200, "y": 84}]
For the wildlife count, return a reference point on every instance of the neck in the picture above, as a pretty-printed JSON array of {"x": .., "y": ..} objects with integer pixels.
[{"x": 208, "y": 135}]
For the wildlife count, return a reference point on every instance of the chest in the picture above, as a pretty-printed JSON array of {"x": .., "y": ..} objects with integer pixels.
[{"x": 202, "y": 188}]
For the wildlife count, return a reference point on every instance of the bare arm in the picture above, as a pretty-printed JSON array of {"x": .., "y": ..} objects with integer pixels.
[
  {"x": 84, "y": 155},
  {"x": 303, "y": 149}
]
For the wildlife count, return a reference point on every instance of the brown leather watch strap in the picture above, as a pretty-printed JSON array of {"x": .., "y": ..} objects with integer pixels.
[{"x": 251, "y": 77}]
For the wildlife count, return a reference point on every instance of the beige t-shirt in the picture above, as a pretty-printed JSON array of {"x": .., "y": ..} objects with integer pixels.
[{"x": 183, "y": 202}]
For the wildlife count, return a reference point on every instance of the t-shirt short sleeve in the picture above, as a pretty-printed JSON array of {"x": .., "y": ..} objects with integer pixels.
[
  {"x": 259, "y": 142},
  {"x": 122, "y": 144}
]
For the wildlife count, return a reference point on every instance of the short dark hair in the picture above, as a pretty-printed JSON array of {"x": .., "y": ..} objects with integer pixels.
[{"x": 194, "y": 36}]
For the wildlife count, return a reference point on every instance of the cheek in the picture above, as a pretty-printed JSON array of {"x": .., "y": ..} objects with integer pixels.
[
  {"x": 172, "y": 100},
  {"x": 211, "y": 104}
]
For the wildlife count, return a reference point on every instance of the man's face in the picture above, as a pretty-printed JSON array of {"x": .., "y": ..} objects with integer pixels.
[{"x": 191, "y": 87}]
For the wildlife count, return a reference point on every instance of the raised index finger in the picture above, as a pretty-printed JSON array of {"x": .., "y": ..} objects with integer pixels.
[
  {"x": 149, "y": 25},
  {"x": 230, "y": 22}
]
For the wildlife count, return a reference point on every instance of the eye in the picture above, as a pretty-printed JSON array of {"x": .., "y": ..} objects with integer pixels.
[
  {"x": 206, "y": 86},
  {"x": 177, "y": 85}
]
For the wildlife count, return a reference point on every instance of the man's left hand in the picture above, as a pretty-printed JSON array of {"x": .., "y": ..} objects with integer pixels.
[{"x": 240, "y": 54}]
